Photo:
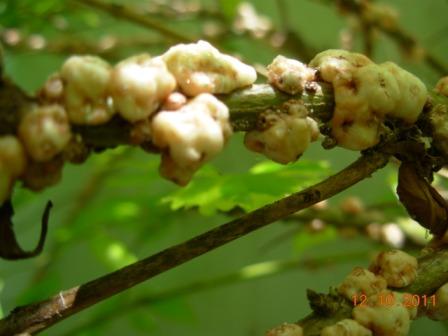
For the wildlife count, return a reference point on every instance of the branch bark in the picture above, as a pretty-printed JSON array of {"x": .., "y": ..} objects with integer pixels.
[
  {"x": 39, "y": 316},
  {"x": 244, "y": 106}
]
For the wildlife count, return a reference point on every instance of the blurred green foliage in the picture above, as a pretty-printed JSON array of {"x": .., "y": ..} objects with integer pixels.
[{"x": 115, "y": 209}]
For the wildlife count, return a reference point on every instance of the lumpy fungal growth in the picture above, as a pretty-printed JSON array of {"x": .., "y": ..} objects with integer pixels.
[
  {"x": 284, "y": 136},
  {"x": 190, "y": 136},
  {"x": 45, "y": 131},
  {"x": 383, "y": 320},
  {"x": 139, "y": 85},
  {"x": 397, "y": 267},
  {"x": 439, "y": 310},
  {"x": 13, "y": 162},
  {"x": 366, "y": 94},
  {"x": 442, "y": 86},
  {"x": 347, "y": 327},
  {"x": 286, "y": 329},
  {"x": 86, "y": 81},
  {"x": 361, "y": 281},
  {"x": 201, "y": 68},
  {"x": 289, "y": 75}
]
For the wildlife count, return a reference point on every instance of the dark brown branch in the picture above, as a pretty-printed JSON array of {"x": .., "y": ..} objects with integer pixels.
[
  {"x": 39, "y": 316},
  {"x": 248, "y": 273}
]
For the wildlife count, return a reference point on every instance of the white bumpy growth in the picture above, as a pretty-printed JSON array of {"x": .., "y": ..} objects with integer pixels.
[
  {"x": 190, "y": 136},
  {"x": 45, "y": 131},
  {"x": 13, "y": 162},
  {"x": 201, "y": 68},
  {"x": 286, "y": 329},
  {"x": 284, "y": 136},
  {"x": 347, "y": 327},
  {"x": 366, "y": 94},
  {"x": 138, "y": 86},
  {"x": 86, "y": 81}
]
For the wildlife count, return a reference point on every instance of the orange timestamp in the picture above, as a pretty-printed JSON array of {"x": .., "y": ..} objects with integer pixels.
[{"x": 389, "y": 300}]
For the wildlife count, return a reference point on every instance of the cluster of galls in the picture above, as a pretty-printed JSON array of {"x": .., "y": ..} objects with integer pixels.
[
  {"x": 168, "y": 100},
  {"x": 368, "y": 289},
  {"x": 365, "y": 94},
  {"x": 284, "y": 135}
]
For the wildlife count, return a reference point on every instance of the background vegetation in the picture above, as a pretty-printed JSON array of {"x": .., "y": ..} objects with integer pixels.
[{"x": 115, "y": 209}]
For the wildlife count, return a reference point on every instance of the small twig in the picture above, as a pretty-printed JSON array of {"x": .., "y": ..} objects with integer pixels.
[
  {"x": 128, "y": 13},
  {"x": 399, "y": 35},
  {"x": 39, "y": 316}
]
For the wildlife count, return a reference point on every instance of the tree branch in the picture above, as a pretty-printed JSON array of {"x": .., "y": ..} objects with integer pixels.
[
  {"x": 399, "y": 35},
  {"x": 128, "y": 13},
  {"x": 244, "y": 106},
  {"x": 39, "y": 316},
  {"x": 248, "y": 273}
]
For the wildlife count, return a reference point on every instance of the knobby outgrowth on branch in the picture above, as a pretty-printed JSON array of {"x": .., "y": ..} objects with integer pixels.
[{"x": 184, "y": 105}]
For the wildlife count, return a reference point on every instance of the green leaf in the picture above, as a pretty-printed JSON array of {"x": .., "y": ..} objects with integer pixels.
[
  {"x": 174, "y": 309},
  {"x": 229, "y": 8},
  {"x": 142, "y": 321},
  {"x": 306, "y": 239},
  {"x": 265, "y": 182},
  {"x": 111, "y": 252},
  {"x": 40, "y": 289}
]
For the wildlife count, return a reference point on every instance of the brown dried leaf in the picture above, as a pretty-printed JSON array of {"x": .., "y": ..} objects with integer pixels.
[{"x": 423, "y": 203}]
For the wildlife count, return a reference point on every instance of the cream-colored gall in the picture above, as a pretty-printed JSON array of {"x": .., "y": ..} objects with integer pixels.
[
  {"x": 442, "y": 86},
  {"x": 190, "y": 136},
  {"x": 413, "y": 94},
  {"x": 334, "y": 63},
  {"x": 286, "y": 329},
  {"x": 397, "y": 267},
  {"x": 366, "y": 94},
  {"x": 361, "y": 281},
  {"x": 347, "y": 327},
  {"x": 201, "y": 68},
  {"x": 439, "y": 310},
  {"x": 45, "y": 131},
  {"x": 53, "y": 89},
  {"x": 13, "y": 162},
  {"x": 86, "y": 81},
  {"x": 139, "y": 85},
  {"x": 403, "y": 299},
  {"x": 12, "y": 155},
  {"x": 174, "y": 101},
  {"x": 383, "y": 320},
  {"x": 289, "y": 75},
  {"x": 284, "y": 136}
]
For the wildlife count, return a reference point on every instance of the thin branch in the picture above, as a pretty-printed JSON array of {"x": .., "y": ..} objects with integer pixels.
[
  {"x": 128, "y": 13},
  {"x": 39, "y": 316},
  {"x": 398, "y": 34},
  {"x": 244, "y": 107},
  {"x": 248, "y": 273}
]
